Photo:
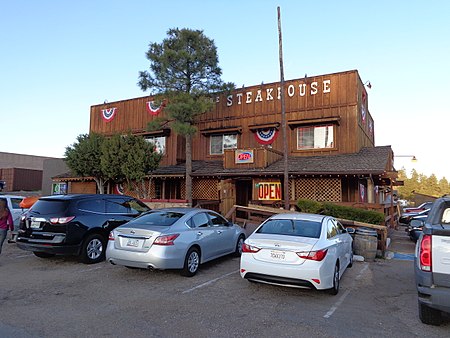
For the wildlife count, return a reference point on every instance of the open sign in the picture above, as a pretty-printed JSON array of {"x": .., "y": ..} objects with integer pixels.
[
  {"x": 269, "y": 191},
  {"x": 244, "y": 156}
]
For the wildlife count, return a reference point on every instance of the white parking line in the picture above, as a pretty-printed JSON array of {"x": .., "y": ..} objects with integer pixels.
[
  {"x": 22, "y": 256},
  {"x": 209, "y": 282},
  {"x": 341, "y": 299},
  {"x": 91, "y": 269}
]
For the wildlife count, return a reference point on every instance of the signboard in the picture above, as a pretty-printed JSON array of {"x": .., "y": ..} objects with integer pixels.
[
  {"x": 244, "y": 156},
  {"x": 59, "y": 188},
  {"x": 269, "y": 191}
]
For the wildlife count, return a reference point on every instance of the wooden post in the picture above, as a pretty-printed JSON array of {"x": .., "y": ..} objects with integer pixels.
[{"x": 283, "y": 118}]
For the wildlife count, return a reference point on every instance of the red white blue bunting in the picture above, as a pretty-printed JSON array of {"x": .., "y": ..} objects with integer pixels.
[
  {"x": 118, "y": 189},
  {"x": 266, "y": 136},
  {"x": 108, "y": 114},
  {"x": 153, "y": 109}
]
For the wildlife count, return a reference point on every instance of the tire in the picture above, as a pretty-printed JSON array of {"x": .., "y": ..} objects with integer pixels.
[
  {"x": 350, "y": 264},
  {"x": 191, "y": 263},
  {"x": 429, "y": 315},
  {"x": 335, "y": 288},
  {"x": 239, "y": 244},
  {"x": 43, "y": 254},
  {"x": 93, "y": 249}
]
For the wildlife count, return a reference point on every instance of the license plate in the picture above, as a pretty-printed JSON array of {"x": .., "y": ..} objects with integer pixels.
[
  {"x": 279, "y": 255},
  {"x": 133, "y": 242},
  {"x": 35, "y": 224}
]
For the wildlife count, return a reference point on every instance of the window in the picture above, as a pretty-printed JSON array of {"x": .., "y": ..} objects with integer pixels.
[
  {"x": 117, "y": 206},
  {"x": 159, "y": 142},
  {"x": 218, "y": 143},
  {"x": 302, "y": 228},
  {"x": 92, "y": 205},
  {"x": 199, "y": 220},
  {"x": 217, "y": 220},
  {"x": 332, "y": 229},
  {"x": 315, "y": 137}
]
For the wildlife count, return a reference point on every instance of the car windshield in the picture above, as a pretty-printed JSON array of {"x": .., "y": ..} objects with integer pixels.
[
  {"x": 44, "y": 207},
  {"x": 158, "y": 218},
  {"x": 290, "y": 227}
]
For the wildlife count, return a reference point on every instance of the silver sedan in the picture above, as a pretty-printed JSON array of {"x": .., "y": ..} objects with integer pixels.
[{"x": 174, "y": 238}]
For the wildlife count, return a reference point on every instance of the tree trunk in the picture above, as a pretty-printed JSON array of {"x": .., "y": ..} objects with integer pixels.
[{"x": 189, "y": 169}]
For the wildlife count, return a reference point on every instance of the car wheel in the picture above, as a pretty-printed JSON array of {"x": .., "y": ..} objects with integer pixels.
[
  {"x": 43, "y": 254},
  {"x": 191, "y": 263},
  {"x": 335, "y": 289},
  {"x": 93, "y": 249},
  {"x": 429, "y": 315},
  {"x": 350, "y": 264},
  {"x": 239, "y": 244}
]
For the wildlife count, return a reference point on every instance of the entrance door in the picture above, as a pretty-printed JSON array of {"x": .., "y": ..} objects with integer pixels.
[
  {"x": 227, "y": 195},
  {"x": 243, "y": 194}
]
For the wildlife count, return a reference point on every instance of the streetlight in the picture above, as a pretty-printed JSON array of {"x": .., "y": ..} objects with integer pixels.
[{"x": 413, "y": 157}]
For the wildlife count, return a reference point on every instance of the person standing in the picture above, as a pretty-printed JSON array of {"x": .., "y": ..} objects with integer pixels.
[{"x": 6, "y": 222}]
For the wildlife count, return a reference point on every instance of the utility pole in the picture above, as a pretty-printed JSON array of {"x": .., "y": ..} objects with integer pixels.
[{"x": 283, "y": 118}]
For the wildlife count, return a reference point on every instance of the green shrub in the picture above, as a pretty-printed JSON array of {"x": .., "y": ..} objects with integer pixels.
[
  {"x": 310, "y": 206},
  {"x": 339, "y": 211}
]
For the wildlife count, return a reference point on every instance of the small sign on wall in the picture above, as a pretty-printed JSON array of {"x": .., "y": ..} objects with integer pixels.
[
  {"x": 244, "y": 156},
  {"x": 59, "y": 188},
  {"x": 269, "y": 191}
]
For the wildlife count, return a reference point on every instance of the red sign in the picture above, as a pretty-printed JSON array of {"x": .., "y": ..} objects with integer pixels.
[{"x": 243, "y": 156}]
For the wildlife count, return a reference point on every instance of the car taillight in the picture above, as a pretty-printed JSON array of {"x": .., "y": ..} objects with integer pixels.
[
  {"x": 313, "y": 255},
  {"x": 61, "y": 220},
  {"x": 250, "y": 248},
  {"x": 166, "y": 240},
  {"x": 425, "y": 253},
  {"x": 111, "y": 236}
]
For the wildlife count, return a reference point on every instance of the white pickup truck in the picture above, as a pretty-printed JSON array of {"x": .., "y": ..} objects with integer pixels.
[
  {"x": 12, "y": 202},
  {"x": 432, "y": 264}
]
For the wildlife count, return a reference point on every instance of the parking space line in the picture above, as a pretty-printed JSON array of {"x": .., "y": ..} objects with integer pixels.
[
  {"x": 91, "y": 269},
  {"x": 209, "y": 282},
  {"x": 342, "y": 298},
  {"x": 22, "y": 256}
]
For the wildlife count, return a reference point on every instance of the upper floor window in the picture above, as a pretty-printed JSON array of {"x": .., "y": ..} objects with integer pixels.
[
  {"x": 218, "y": 143},
  {"x": 159, "y": 142},
  {"x": 315, "y": 137}
]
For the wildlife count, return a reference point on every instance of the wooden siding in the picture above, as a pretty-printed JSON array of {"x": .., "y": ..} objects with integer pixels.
[
  {"x": 262, "y": 158},
  {"x": 82, "y": 188},
  {"x": 339, "y": 98}
]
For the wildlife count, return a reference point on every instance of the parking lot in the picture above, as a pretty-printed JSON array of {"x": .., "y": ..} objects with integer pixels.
[{"x": 60, "y": 297}]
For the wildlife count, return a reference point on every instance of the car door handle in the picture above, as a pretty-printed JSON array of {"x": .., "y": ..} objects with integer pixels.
[
  {"x": 199, "y": 233},
  {"x": 219, "y": 231}
]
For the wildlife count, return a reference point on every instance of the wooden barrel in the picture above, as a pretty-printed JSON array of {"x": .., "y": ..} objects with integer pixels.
[{"x": 365, "y": 243}]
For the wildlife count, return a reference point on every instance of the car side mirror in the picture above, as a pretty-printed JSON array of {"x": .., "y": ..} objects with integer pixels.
[
  {"x": 351, "y": 231},
  {"x": 417, "y": 222}
]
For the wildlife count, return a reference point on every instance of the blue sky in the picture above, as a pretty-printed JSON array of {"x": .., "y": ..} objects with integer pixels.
[{"x": 60, "y": 57}]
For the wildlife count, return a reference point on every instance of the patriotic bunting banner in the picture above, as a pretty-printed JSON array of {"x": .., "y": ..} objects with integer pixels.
[
  {"x": 108, "y": 114},
  {"x": 118, "y": 189},
  {"x": 266, "y": 136},
  {"x": 153, "y": 109}
]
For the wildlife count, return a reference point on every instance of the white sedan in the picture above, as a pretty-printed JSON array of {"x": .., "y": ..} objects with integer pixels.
[{"x": 298, "y": 250}]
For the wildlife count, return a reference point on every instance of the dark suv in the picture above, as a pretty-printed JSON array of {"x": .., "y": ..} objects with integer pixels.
[{"x": 75, "y": 224}]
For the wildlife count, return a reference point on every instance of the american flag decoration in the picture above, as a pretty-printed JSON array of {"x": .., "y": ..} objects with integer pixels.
[
  {"x": 108, "y": 114},
  {"x": 118, "y": 189},
  {"x": 266, "y": 136},
  {"x": 153, "y": 109}
]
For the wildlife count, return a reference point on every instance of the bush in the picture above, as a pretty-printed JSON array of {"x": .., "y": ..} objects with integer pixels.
[
  {"x": 339, "y": 211},
  {"x": 310, "y": 206}
]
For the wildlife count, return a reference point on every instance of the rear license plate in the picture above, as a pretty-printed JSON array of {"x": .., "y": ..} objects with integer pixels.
[
  {"x": 279, "y": 255},
  {"x": 133, "y": 242},
  {"x": 35, "y": 224}
]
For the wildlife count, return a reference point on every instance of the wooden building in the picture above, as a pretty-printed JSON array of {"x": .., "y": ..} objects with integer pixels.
[{"x": 238, "y": 149}]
